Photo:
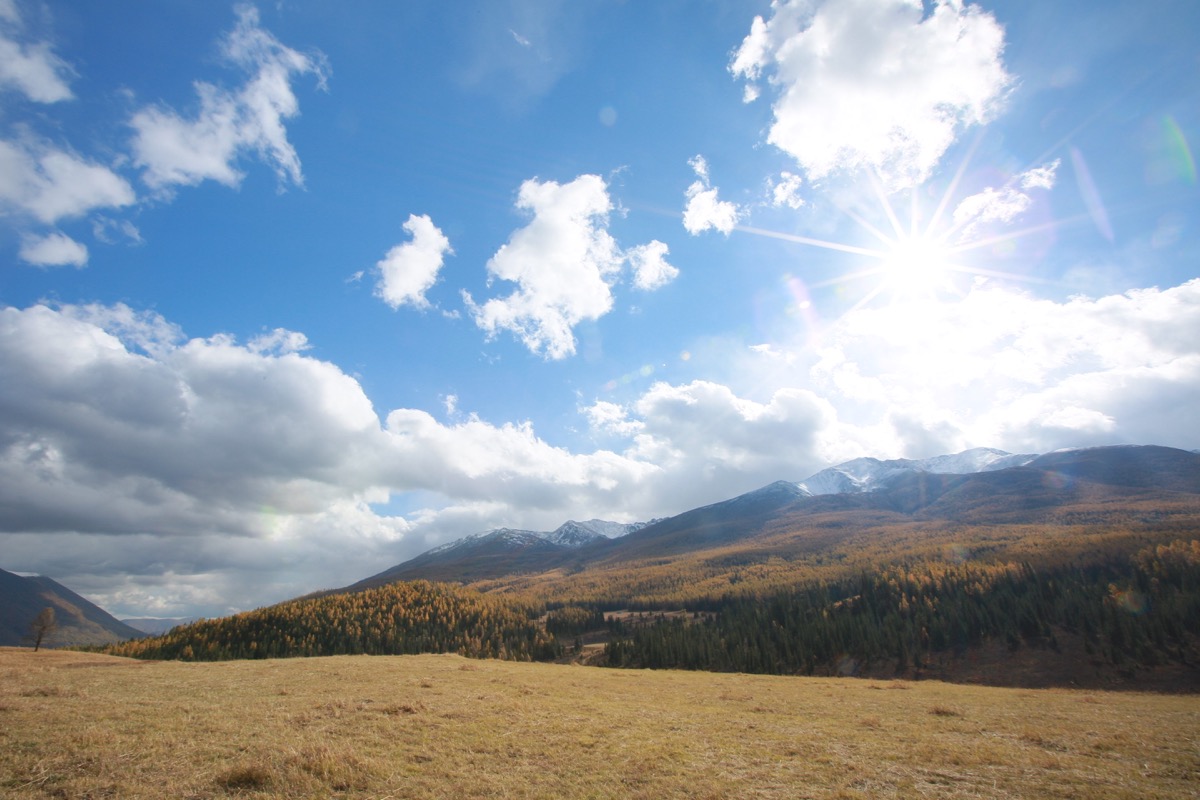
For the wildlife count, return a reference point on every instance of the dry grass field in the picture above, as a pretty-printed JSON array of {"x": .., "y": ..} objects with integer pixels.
[{"x": 77, "y": 725}]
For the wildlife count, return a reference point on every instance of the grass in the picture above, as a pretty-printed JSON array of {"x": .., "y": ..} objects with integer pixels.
[{"x": 76, "y": 725}]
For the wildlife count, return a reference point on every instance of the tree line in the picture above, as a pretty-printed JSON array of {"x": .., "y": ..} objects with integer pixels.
[
  {"x": 397, "y": 619},
  {"x": 1138, "y": 610}
]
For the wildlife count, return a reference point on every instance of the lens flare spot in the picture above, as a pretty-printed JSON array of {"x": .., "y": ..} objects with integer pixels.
[
  {"x": 1129, "y": 600},
  {"x": 958, "y": 553},
  {"x": 1182, "y": 164},
  {"x": 1057, "y": 480},
  {"x": 644, "y": 371}
]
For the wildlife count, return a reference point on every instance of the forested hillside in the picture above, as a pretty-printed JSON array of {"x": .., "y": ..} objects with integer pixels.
[
  {"x": 401, "y": 618},
  {"x": 1130, "y": 613}
]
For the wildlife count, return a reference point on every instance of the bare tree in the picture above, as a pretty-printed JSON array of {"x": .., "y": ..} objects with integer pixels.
[{"x": 42, "y": 626}]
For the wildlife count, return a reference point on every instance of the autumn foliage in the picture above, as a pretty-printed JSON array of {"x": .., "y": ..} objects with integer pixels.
[{"x": 401, "y": 618}]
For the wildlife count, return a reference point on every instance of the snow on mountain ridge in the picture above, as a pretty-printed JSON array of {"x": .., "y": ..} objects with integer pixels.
[
  {"x": 872, "y": 474},
  {"x": 851, "y": 477},
  {"x": 510, "y": 535},
  {"x": 569, "y": 534}
]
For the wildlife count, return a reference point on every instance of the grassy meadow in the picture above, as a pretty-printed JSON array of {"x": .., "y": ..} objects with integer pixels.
[{"x": 84, "y": 725}]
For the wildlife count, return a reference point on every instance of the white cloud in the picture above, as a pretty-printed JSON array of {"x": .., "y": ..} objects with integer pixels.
[
  {"x": 230, "y": 124},
  {"x": 28, "y": 67},
  {"x": 704, "y": 209},
  {"x": 1008, "y": 370},
  {"x": 650, "y": 268},
  {"x": 992, "y": 205},
  {"x": 610, "y": 419},
  {"x": 1042, "y": 177},
  {"x": 50, "y": 184},
  {"x": 712, "y": 444},
  {"x": 197, "y": 470},
  {"x": 120, "y": 435},
  {"x": 53, "y": 250},
  {"x": 410, "y": 269},
  {"x": 1004, "y": 204},
  {"x": 563, "y": 263},
  {"x": 111, "y": 231},
  {"x": 875, "y": 83},
  {"x": 279, "y": 341},
  {"x": 787, "y": 191}
]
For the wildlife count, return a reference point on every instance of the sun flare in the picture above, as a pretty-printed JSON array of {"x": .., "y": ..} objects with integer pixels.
[{"x": 916, "y": 264}]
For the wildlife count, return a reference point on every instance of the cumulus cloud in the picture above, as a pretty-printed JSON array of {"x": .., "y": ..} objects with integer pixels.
[
  {"x": 280, "y": 341},
  {"x": 410, "y": 269},
  {"x": 610, "y": 418},
  {"x": 874, "y": 83},
  {"x": 563, "y": 262},
  {"x": 704, "y": 209},
  {"x": 230, "y": 124},
  {"x": 1008, "y": 370},
  {"x": 705, "y": 436},
  {"x": 49, "y": 184},
  {"x": 650, "y": 268},
  {"x": 197, "y": 469},
  {"x": 53, "y": 250},
  {"x": 30, "y": 67},
  {"x": 118, "y": 433}
]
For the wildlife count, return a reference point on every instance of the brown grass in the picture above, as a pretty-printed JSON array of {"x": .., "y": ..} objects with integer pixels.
[{"x": 75, "y": 725}]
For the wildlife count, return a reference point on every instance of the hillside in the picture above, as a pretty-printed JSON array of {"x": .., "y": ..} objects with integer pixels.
[
  {"x": 79, "y": 621},
  {"x": 949, "y": 575},
  {"x": 401, "y": 618},
  {"x": 85, "y": 725}
]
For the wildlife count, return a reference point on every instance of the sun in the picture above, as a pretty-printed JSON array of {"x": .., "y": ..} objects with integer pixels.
[
  {"x": 916, "y": 265},
  {"x": 906, "y": 262}
]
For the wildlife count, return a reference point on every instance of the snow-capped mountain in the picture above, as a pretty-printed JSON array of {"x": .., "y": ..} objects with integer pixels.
[
  {"x": 980, "y": 485},
  {"x": 512, "y": 536},
  {"x": 872, "y": 474},
  {"x": 577, "y": 534},
  {"x": 569, "y": 534},
  {"x": 503, "y": 551}
]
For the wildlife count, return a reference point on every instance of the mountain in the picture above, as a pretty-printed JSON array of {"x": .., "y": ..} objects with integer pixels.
[
  {"x": 982, "y": 486},
  {"x": 503, "y": 552},
  {"x": 156, "y": 625},
  {"x": 1075, "y": 568},
  {"x": 79, "y": 620},
  {"x": 1146, "y": 466},
  {"x": 871, "y": 474}
]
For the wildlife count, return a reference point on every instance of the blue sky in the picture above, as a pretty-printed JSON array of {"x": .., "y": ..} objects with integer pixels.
[{"x": 290, "y": 293}]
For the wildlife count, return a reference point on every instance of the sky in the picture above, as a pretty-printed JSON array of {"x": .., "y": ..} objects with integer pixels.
[{"x": 292, "y": 292}]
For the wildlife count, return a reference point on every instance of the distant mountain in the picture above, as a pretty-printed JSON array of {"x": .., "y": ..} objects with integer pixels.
[
  {"x": 156, "y": 625},
  {"x": 979, "y": 486},
  {"x": 871, "y": 474},
  {"x": 503, "y": 552},
  {"x": 79, "y": 620}
]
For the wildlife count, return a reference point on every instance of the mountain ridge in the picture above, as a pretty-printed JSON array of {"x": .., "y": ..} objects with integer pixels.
[
  {"x": 977, "y": 486},
  {"x": 78, "y": 620}
]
